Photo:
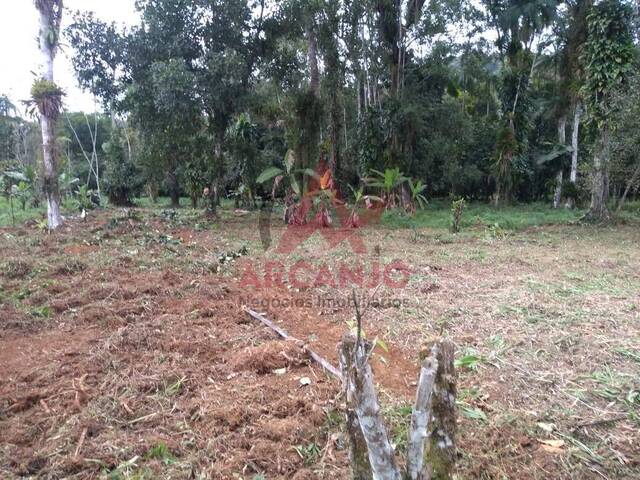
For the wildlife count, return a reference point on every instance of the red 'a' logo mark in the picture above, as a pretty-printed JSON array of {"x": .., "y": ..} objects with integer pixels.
[{"x": 323, "y": 194}]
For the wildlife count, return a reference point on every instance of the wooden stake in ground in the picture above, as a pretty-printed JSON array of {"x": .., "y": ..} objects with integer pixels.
[
  {"x": 431, "y": 443},
  {"x": 418, "y": 465},
  {"x": 361, "y": 394},
  {"x": 441, "y": 451}
]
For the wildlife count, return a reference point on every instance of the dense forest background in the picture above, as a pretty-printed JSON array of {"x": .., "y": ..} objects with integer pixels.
[{"x": 500, "y": 101}]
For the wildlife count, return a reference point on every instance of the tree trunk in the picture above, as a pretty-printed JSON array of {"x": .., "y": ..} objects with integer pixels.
[
  {"x": 442, "y": 448},
  {"x": 214, "y": 200},
  {"x": 361, "y": 395},
  {"x": 50, "y": 15},
  {"x": 173, "y": 187},
  {"x": 630, "y": 183},
  {"x": 575, "y": 136},
  {"x": 50, "y": 173},
  {"x": 418, "y": 462},
  {"x": 358, "y": 452},
  {"x": 562, "y": 138},
  {"x": 598, "y": 210},
  {"x": 335, "y": 110},
  {"x": 314, "y": 72}
]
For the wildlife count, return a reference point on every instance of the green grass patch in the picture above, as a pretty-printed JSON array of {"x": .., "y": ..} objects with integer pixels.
[
  {"x": 437, "y": 215},
  {"x": 21, "y": 216}
]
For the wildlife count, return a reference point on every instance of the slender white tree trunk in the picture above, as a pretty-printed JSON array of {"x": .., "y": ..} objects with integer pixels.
[
  {"x": 49, "y": 25},
  {"x": 54, "y": 219},
  {"x": 562, "y": 138},
  {"x": 598, "y": 210},
  {"x": 575, "y": 136}
]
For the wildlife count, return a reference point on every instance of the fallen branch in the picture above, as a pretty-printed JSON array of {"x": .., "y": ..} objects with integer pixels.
[
  {"x": 600, "y": 421},
  {"x": 45, "y": 407},
  {"x": 142, "y": 419},
  {"x": 83, "y": 435},
  {"x": 320, "y": 360}
]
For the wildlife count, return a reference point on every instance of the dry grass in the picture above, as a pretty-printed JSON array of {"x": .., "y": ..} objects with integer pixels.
[{"x": 144, "y": 366}]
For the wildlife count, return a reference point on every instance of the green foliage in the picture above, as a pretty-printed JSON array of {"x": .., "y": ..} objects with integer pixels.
[
  {"x": 243, "y": 138},
  {"x": 122, "y": 180},
  {"x": 42, "y": 90},
  {"x": 469, "y": 362},
  {"x": 287, "y": 175},
  {"x": 608, "y": 56},
  {"x": 15, "y": 186},
  {"x": 309, "y": 453},
  {"x": 67, "y": 184},
  {"x": 17, "y": 216},
  {"x": 269, "y": 174},
  {"x": 478, "y": 216},
  {"x": 219, "y": 92},
  {"x": 83, "y": 198},
  {"x": 457, "y": 208},
  {"x": 506, "y": 150},
  {"x": 7, "y": 108},
  {"x": 417, "y": 188},
  {"x": 388, "y": 183},
  {"x": 161, "y": 452}
]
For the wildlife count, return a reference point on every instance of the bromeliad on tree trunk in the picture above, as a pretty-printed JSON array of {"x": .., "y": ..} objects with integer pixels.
[{"x": 47, "y": 97}]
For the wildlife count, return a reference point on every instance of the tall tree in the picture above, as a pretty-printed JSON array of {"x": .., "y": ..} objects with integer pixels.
[
  {"x": 48, "y": 98},
  {"x": 518, "y": 24},
  {"x": 574, "y": 37},
  {"x": 608, "y": 57}
]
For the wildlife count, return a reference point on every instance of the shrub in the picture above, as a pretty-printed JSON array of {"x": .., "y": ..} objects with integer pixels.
[
  {"x": 457, "y": 208},
  {"x": 122, "y": 179}
]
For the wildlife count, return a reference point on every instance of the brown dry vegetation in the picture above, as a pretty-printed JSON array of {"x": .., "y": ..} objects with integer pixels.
[{"x": 124, "y": 350}]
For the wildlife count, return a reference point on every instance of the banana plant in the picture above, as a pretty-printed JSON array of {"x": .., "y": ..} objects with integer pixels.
[
  {"x": 295, "y": 211},
  {"x": 22, "y": 191},
  {"x": 359, "y": 200},
  {"x": 67, "y": 184},
  {"x": 388, "y": 182},
  {"x": 417, "y": 198}
]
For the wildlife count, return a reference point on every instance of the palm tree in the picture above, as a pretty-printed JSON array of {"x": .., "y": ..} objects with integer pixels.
[{"x": 296, "y": 208}]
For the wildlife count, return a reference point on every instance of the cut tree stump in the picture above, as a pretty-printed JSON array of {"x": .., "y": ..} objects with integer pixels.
[
  {"x": 358, "y": 451},
  {"x": 441, "y": 450},
  {"x": 361, "y": 396},
  {"x": 418, "y": 462},
  {"x": 431, "y": 452}
]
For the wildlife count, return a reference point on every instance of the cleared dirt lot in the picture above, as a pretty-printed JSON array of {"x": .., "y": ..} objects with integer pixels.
[{"x": 125, "y": 352}]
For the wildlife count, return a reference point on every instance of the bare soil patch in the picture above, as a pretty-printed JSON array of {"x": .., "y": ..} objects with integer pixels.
[{"x": 124, "y": 351}]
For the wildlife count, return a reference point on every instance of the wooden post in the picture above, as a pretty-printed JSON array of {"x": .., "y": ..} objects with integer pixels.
[
  {"x": 441, "y": 451},
  {"x": 361, "y": 396},
  {"x": 417, "y": 454},
  {"x": 358, "y": 452}
]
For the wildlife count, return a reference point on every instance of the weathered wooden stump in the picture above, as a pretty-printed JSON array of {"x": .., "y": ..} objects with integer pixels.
[{"x": 431, "y": 445}]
